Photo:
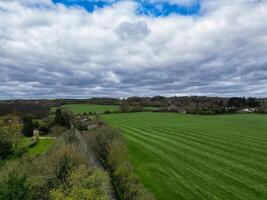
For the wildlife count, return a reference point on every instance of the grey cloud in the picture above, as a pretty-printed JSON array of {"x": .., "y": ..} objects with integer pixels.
[
  {"x": 66, "y": 52},
  {"x": 132, "y": 31}
]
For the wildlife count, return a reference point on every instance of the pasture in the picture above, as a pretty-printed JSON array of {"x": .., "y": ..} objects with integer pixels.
[
  {"x": 94, "y": 108},
  {"x": 86, "y": 108},
  {"x": 189, "y": 157}
]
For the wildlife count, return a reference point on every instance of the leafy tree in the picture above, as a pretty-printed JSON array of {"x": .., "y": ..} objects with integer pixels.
[
  {"x": 63, "y": 118},
  {"x": 15, "y": 187},
  {"x": 59, "y": 162},
  {"x": 137, "y": 107},
  {"x": 28, "y": 127},
  {"x": 12, "y": 126},
  {"x": 5, "y": 145},
  {"x": 58, "y": 130},
  {"x": 124, "y": 107},
  {"x": 111, "y": 148},
  {"x": 252, "y": 102},
  {"x": 84, "y": 184}
]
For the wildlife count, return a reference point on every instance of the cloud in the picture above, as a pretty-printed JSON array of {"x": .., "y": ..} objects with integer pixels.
[
  {"x": 112, "y": 77},
  {"x": 50, "y": 50},
  {"x": 132, "y": 31}
]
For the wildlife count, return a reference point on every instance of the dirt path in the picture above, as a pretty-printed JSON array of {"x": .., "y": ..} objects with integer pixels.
[
  {"x": 92, "y": 159},
  {"x": 86, "y": 149}
]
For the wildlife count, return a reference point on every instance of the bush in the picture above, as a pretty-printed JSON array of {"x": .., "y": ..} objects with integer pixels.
[
  {"x": 28, "y": 127},
  {"x": 19, "y": 151},
  {"x": 34, "y": 141},
  {"x": 56, "y": 165},
  {"x": 63, "y": 118},
  {"x": 111, "y": 149},
  {"x": 16, "y": 182},
  {"x": 5, "y": 145},
  {"x": 84, "y": 184}
]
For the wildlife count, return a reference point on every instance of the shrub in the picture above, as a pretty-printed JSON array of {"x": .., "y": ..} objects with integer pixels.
[
  {"x": 58, "y": 130},
  {"x": 19, "y": 151},
  {"x": 34, "y": 141},
  {"x": 28, "y": 127},
  {"x": 111, "y": 149},
  {"x": 5, "y": 145},
  {"x": 14, "y": 187},
  {"x": 63, "y": 117},
  {"x": 56, "y": 165},
  {"x": 84, "y": 184}
]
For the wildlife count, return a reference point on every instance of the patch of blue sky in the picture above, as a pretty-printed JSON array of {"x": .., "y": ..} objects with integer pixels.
[
  {"x": 89, "y": 5},
  {"x": 145, "y": 7},
  {"x": 165, "y": 8}
]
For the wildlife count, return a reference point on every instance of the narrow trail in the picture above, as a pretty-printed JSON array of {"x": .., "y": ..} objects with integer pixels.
[
  {"x": 86, "y": 149},
  {"x": 92, "y": 158}
]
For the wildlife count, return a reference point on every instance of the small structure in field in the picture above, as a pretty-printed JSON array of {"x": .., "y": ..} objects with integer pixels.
[{"x": 36, "y": 133}]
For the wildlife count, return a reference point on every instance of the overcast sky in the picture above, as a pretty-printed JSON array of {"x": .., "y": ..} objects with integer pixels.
[{"x": 85, "y": 48}]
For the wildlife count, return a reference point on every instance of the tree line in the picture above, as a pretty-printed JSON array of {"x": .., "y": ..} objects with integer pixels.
[{"x": 39, "y": 108}]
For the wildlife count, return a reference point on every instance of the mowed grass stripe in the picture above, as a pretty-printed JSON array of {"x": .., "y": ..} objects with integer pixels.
[
  {"x": 183, "y": 170},
  {"x": 232, "y": 138},
  {"x": 195, "y": 174},
  {"x": 204, "y": 139},
  {"x": 220, "y": 159},
  {"x": 212, "y": 140},
  {"x": 196, "y": 164},
  {"x": 207, "y": 136},
  {"x": 160, "y": 173}
]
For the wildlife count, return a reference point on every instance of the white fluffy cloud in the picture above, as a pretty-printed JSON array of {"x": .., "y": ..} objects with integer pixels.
[{"x": 49, "y": 50}]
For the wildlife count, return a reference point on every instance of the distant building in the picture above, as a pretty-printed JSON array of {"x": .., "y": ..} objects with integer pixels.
[
  {"x": 36, "y": 133},
  {"x": 248, "y": 110},
  {"x": 92, "y": 126}
]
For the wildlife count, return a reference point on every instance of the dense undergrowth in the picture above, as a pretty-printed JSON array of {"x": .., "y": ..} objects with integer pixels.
[{"x": 111, "y": 149}]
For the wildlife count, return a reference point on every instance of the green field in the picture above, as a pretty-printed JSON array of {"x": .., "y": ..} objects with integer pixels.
[
  {"x": 82, "y": 108},
  {"x": 41, "y": 147},
  {"x": 190, "y": 157},
  {"x": 86, "y": 108}
]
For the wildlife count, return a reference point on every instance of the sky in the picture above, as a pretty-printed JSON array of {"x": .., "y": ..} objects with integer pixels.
[{"x": 121, "y": 48}]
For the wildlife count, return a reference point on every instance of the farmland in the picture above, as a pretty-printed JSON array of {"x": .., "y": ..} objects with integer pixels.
[
  {"x": 85, "y": 108},
  {"x": 197, "y": 157},
  {"x": 94, "y": 108}
]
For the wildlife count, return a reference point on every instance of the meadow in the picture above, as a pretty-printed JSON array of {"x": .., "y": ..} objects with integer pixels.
[
  {"x": 198, "y": 157},
  {"x": 86, "y": 108},
  {"x": 94, "y": 108}
]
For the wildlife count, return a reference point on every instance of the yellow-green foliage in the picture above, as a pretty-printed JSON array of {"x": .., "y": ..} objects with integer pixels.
[
  {"x": 84, "y": 184},
  {"x": 111, "y": 148}
]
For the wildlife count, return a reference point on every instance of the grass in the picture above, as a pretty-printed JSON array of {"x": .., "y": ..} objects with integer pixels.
[
  {"x": 41, "y": 147},
  {"x": 197, "y": 157},
  {"x": 81, "y": 108},
  {"x": 99, "y": 109}
]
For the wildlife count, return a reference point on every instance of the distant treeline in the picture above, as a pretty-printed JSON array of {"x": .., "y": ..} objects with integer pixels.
[
  {"x": 201, "y": 104},
  {"x": 24, "y": 108},
  {"x": 188, "y": 104}
]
